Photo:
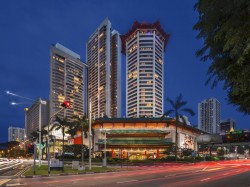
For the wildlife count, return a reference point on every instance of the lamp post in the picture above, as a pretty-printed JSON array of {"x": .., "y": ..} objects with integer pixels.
[
  {"x": 82, "y": 150},
  {"x": 236, "y": 147},
  {"x": 105, "y": 153},
  {"x": 176, "y": 138},
  {"x": 90, "y": 135},
  {"x": 104, "y": 162},
  {"x": 40, "y": 131},
  {"x": 40, "y": 102},
  {"x": 64, "y": 105},
  {"x": 48, "y": 151}
]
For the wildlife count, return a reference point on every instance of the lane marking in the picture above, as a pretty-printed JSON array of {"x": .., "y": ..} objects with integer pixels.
[
  {"x": 9, "y": 166},
  {"x": 205, "y": 179},
  {"x": 16, "y": 184},
  {"x": 22, "y": 171},
  {"x": 171, "y": 175},
  {"x": 126, "y": 181},
  {"x": 4, "y": 181},
  {"x": 195, "y": 171},
  {"x": 204, "y": 168}
]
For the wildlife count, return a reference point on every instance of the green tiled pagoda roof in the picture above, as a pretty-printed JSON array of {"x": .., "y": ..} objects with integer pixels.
[
  {"x": 136, "y": 131},
  {"x": 135, "y": 142}
]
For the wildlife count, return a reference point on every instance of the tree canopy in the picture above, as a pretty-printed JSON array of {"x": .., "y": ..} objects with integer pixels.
[{"x": 225, "y": 28}]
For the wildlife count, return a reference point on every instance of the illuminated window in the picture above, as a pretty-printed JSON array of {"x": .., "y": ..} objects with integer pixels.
[
  {"x": 61, "y": 69},
  {"x": 61, "y": 60}
]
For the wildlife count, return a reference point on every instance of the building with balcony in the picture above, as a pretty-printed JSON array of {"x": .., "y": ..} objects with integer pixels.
[{"x": 209, "y": 116}]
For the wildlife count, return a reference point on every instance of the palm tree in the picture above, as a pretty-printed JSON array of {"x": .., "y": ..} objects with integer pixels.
[
  {"x": 61, "y": 124},
  {"x": 177, "y": 106},
  {"x": 80, "y": 124}
]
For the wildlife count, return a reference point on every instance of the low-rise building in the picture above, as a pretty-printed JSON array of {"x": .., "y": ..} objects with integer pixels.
[{"x": 141, "y": 138}]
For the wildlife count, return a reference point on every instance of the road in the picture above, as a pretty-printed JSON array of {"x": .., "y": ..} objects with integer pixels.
[
  {"x": 216, "y": 174},
  {"x": 10, "y": 169}
]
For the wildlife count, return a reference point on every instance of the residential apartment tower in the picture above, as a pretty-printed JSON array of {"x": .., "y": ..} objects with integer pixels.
[
  {"x": 209, "y": 116},
  {"x": 104, "y": 71}
]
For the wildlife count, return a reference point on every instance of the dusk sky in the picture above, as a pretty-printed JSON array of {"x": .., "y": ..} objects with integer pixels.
[{"x": 28, "y": 28}]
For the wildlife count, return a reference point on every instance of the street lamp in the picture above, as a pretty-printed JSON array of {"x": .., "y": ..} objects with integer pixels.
[
  {"x": 236, "y": 147},
  {"x": 104, "y": 162},
  {"x": 40, "y": 102},
  {"x": 90, "y": 134},
  {"x": 65, "y": 105}
]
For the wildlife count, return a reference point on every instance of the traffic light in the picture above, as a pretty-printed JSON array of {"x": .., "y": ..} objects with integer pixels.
[
  {"x": 30, "y": 148},
  {"x": 65, "y": 104}
]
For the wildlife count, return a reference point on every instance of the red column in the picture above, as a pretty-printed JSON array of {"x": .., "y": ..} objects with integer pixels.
[
  {"x": 123, "y": 154},
  {"x": 157, "y": 153},
  {"x": 113, "y": 153},
  {"x": 145, "y": 153}
]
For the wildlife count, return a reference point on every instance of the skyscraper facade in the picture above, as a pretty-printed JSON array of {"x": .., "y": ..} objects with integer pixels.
[
  {"x": 32, "y": 117},
  {"x": 66, "y": 82},
  {"x": 104, "y": 71},
  {"x": 144, "y": 45},
  {"x": 209, "y": 116},
  {"x": 16, "y": 134}
]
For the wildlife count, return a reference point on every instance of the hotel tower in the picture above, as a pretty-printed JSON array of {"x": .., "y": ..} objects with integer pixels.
[
  {"x": 66, "y": 81},
  {"x": 144, "y": 46},
  {"x": 104, "y": 72}
]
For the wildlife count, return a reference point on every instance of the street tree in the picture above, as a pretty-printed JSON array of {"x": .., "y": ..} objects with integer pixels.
[{"x": 224, "y": 27}]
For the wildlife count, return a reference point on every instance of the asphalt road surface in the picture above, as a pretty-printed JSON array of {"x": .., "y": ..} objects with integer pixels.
[{"x": 207, "y": 174}]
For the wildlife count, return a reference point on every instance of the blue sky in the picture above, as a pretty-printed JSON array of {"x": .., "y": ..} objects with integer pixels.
[{"x": 28, "y": 28}]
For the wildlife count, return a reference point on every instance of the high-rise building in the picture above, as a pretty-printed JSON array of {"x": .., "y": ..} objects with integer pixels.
[
  {"x": 104, "y": 71},
  {"x": 144, "y": 45},
  {"x": 227, "y": 125},
  {"x": 32, "y": 115},
  {"x": 16, "y": 134},
  {"x": 209, "y": 116},
  {"x": 66, "y": 82}
]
